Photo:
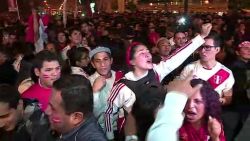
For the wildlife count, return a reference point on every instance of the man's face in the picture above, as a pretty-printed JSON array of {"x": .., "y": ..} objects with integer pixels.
[
  {"x": 84, "y": 28},
  {"x": 12, "y": 39},
  {"x": 244, "y": 53},
  {"x": 8, "y": 117},
  {"x": 76, "y": 37},
  {"x": 164, "y": 48},
  {"x": 208, "y": 51},
  {"x": 50, "y": 72},
  {"x": 3, "y": 58},
  {"x": 61, "y": 37},
  {"x": 102, "y": 63},
  {"x": 51, "y": 47},
  {"x": 59, "y": 120},
  {"x": 180, "y": 39}
]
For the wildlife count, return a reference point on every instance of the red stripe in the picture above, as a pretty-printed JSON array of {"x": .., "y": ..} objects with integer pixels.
[
  {"x": 113, "y": 96},
  {"x": 121, "y": 123},
  {"x": 178, "y": 50},
  {"x": 108, "y": 125},
  {"x": 218, "y": 78},
  {"x": 118, "y": 76},
  {"x": 114, "y": 89},
  {"x": 114, "y": 93}
]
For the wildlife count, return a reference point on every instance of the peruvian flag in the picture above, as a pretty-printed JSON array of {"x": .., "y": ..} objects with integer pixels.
[{"x": 12, "y": 4}]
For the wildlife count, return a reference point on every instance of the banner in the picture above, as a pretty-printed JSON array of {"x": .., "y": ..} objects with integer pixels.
[{"x": 12, "y": 4}]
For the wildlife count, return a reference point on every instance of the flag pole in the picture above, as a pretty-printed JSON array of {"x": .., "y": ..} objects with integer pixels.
[
  {"x": 18, "y": 14},
  {"x": 64, "y": 13},
  {"x": 76, "y": 10}
]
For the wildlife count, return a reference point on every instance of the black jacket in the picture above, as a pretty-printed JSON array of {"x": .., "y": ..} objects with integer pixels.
[
  {"x": 89, "y": 130},
  {"x": 34, "y": 125}
]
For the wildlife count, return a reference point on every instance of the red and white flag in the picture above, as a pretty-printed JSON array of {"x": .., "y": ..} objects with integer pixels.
[{"x": 12, "y": 4}]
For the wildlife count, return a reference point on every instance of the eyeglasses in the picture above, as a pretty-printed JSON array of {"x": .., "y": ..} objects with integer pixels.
[{"x": 207, "y": 47}]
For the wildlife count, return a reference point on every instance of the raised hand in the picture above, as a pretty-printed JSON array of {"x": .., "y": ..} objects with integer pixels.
[
  {"x": 214, "y": 128},
  {"x": 183, "y": 86},
  {"x": 205, "y": 29}
]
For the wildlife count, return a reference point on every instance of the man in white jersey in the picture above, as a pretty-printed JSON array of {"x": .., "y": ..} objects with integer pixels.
[
  {"x": 102, "y": 80},
  {"x": 207, "y": 68}
]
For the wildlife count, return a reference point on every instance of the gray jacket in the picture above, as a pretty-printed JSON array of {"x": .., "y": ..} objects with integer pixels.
[{"x": 87, "y": 131}]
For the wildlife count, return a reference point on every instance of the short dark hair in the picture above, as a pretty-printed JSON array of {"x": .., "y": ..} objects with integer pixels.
[
  {"x": 39, "y": 59},
  {"x": 179, "y": 31},
  {"x": 10, "y": 95},
  {"x": 216, "y": 38},
  {"x": 148, "y": 100},
  {"x": 74, "y": 28},
  {"x": 76, "y": 92},
  {"x": 211, "y": 98},
  {"x": 43, "y": 56}
]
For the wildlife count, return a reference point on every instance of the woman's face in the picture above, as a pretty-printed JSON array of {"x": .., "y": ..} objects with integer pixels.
[
  {"x": 84, "y": 61},
  {"x": 142, "y": 58},
  {"x": 195, "y": 108}
]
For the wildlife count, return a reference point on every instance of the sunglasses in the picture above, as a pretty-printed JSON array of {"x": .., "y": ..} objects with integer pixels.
[{"x": 207, "y": 47}]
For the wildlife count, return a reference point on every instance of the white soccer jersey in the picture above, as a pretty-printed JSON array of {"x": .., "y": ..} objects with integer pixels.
[
  {"x": 123, "y": 97},
  {"x": 214, "y": 75}
]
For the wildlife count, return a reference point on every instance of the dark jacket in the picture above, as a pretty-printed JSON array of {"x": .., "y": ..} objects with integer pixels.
[
  {"x": 89, "y": 130},
  {"x": 241, "y": 72},
  {"x": 33, "y": 127}
]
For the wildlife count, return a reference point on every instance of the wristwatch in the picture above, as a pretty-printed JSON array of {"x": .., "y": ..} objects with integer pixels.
[{"x": 131, "y": 138}]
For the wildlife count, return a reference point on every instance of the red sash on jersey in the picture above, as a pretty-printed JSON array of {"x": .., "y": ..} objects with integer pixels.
[
  {"x": 121, "y": 120},
  {"x": 118, "y": 75},
  {"x": 218, "y": 78}
]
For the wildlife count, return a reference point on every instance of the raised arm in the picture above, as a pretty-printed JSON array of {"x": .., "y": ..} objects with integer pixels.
[
  {"x": 181, "y": 54},
  {"x": 169, "y": 118}
]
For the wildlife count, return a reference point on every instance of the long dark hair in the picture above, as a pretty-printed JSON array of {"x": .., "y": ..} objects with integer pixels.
[{"x": 211, "y": 98}]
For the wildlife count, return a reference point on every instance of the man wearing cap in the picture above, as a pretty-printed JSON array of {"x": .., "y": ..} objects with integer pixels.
[
  {"x": 209, "y": 69},
  {"x": 102, "y": 80}
]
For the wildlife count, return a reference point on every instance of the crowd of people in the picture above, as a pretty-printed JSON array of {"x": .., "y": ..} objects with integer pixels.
[{"x": 132, "y": 77}]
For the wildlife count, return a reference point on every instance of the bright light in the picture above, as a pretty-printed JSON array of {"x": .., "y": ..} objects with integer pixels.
[
  {"x": 175, "y": 11},
  {"x": 182, "y": 21},
  {"x": 206, "y": 2},
  {"x": 220, "y": 13},
  {"x": 150, "y": 4},
  {"x": 92, "y": 6}
]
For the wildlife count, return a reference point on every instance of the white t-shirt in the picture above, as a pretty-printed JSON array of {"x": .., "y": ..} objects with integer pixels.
[{"x": 200, "y": 72}]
